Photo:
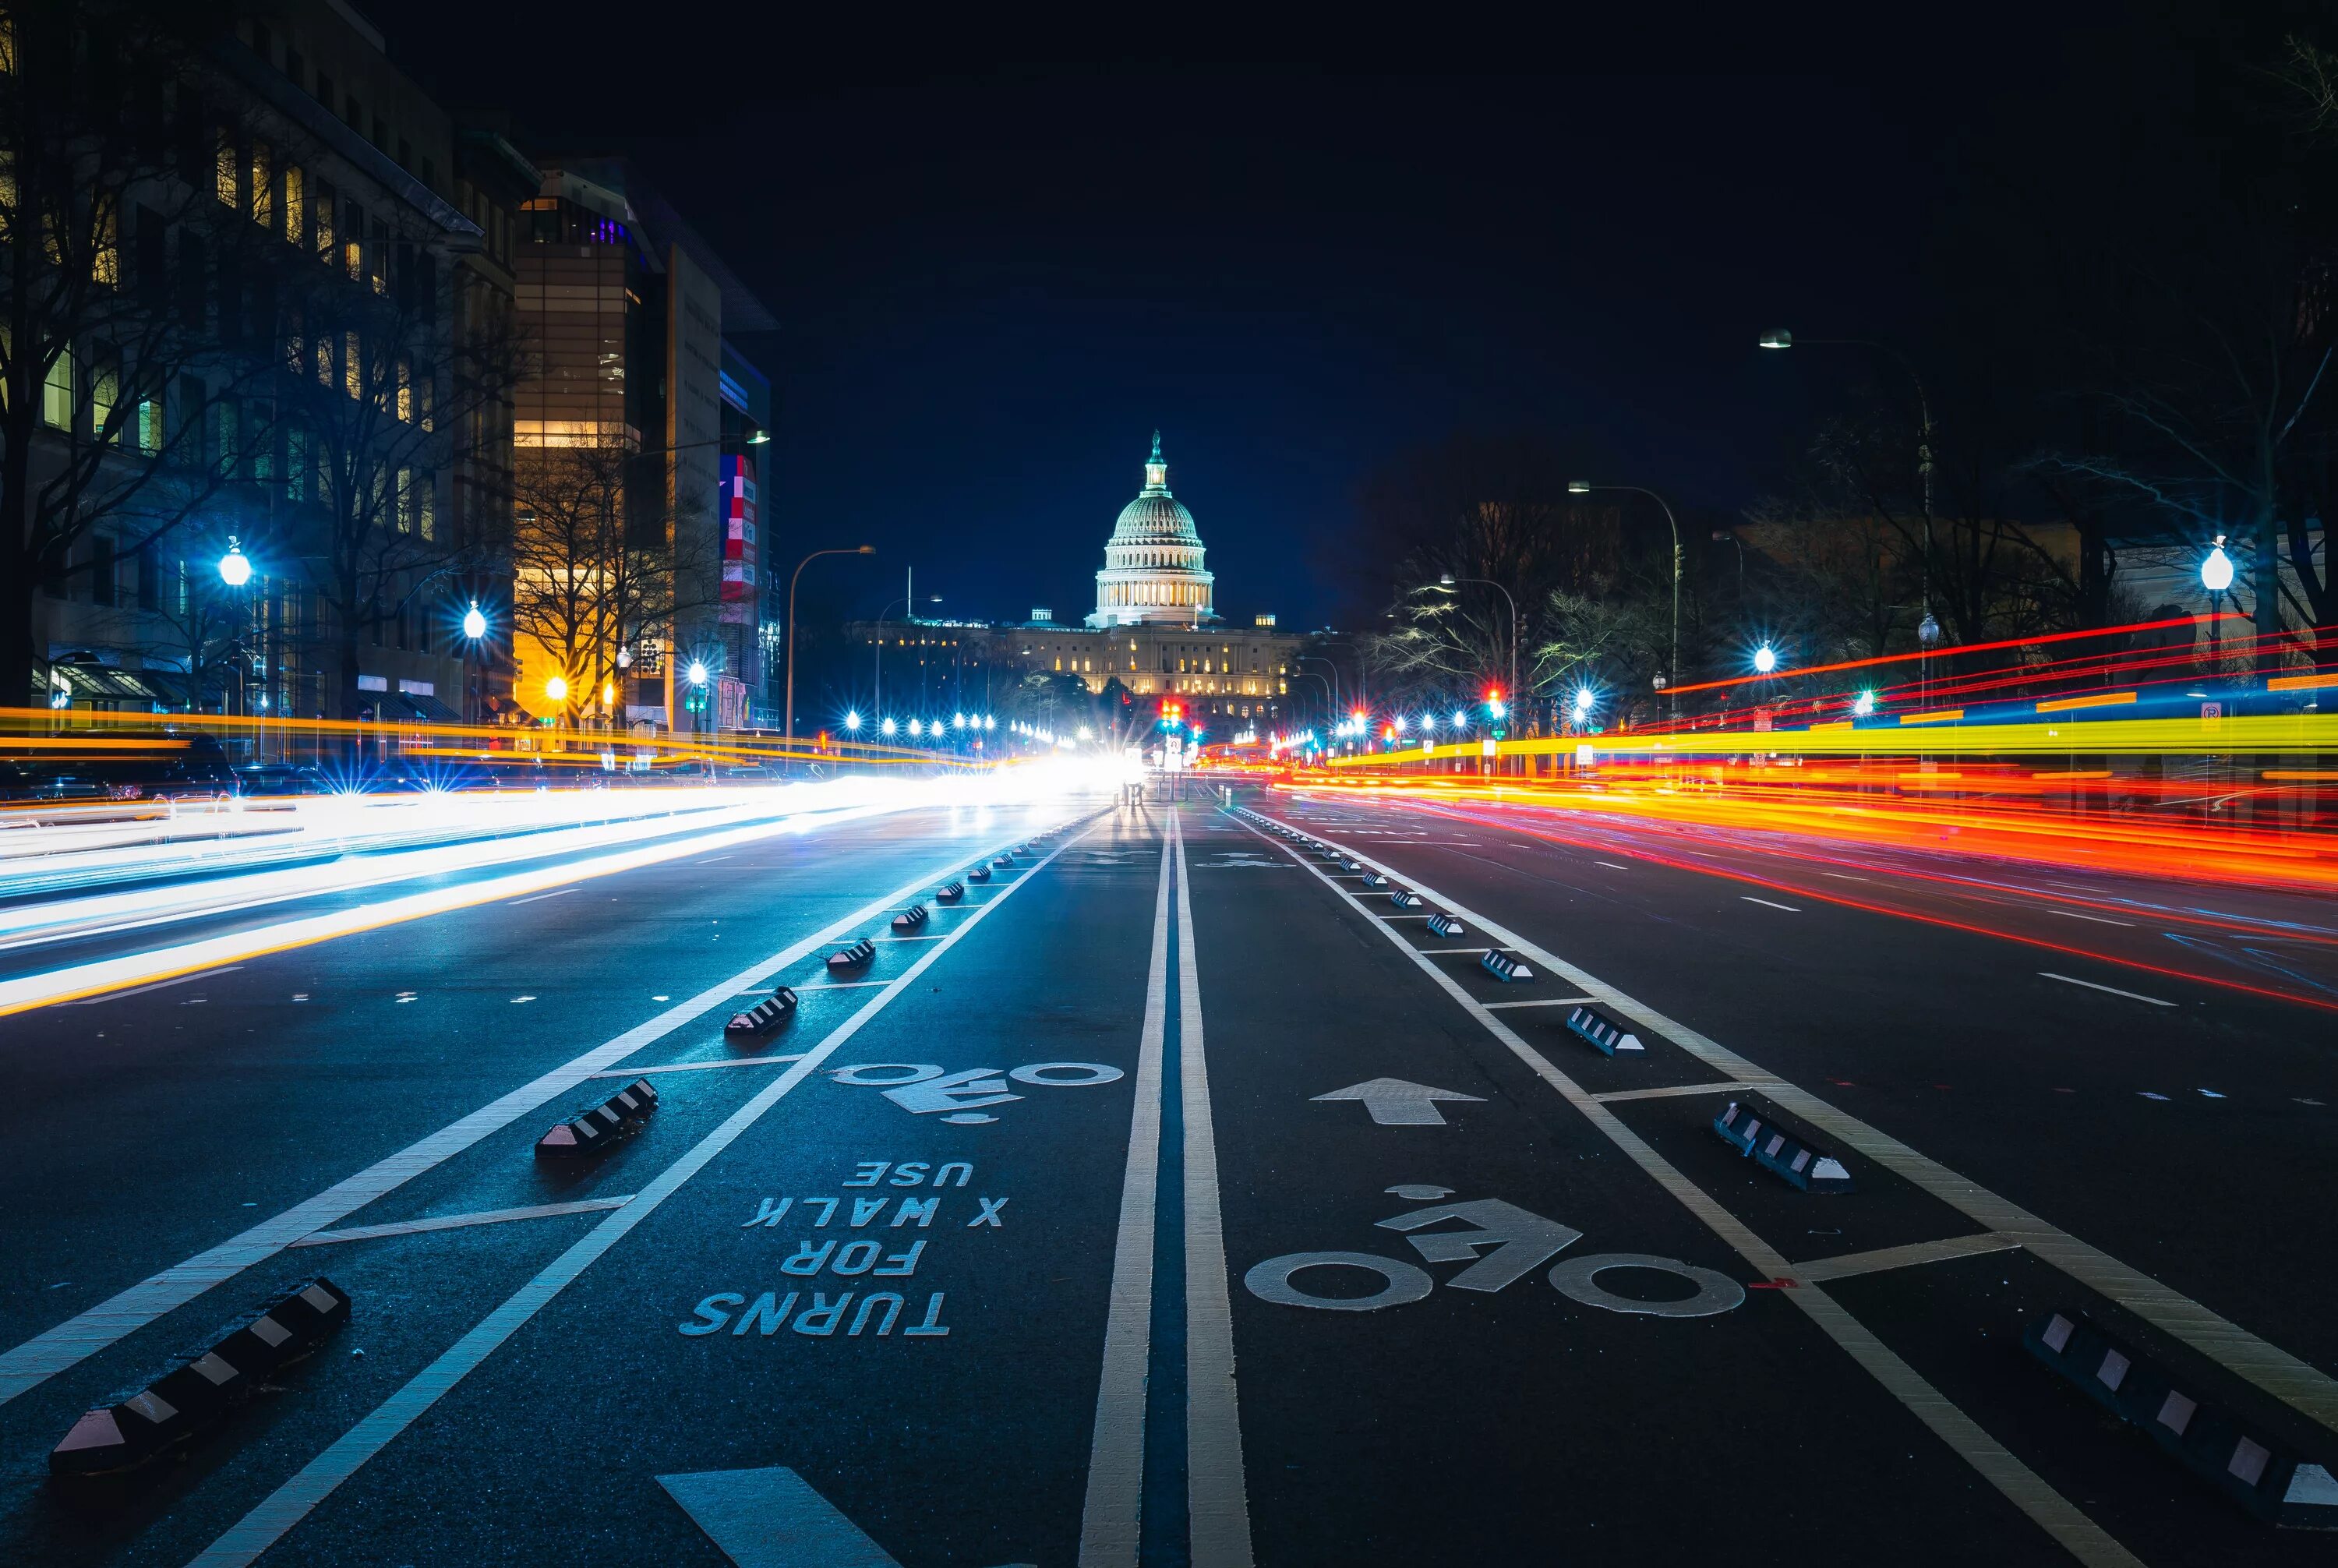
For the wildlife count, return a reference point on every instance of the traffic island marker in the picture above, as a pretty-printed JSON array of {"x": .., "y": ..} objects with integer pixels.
[
  {"x": 909, "y": 919},
  {"x": 115, "y": 1439},
  {"x": 1784, "y": 1153},
  {"x": 1504, "y": 967},
  {"x": 2269, "y": 1478},
  {"x": 854, "y": 956},
  {"x": 1603, "y": 1031},
  {"x": 1444, "y": 925},
  {"x": 949, "y": 892},
  {"x": 605, "y": 1126},
  {"x": 763, "y": 1018}
]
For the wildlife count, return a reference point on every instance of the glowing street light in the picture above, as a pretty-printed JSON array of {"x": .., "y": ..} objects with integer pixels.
[
  {"x": 2216, "y": 571},
  {"x": 698, "y": 673},
  {"x": 1864, "y": 705},
  {"x": 888, "y": 728},
  {"x": 608, "y": 693},
  {"x": 235, "y": 566},
  {"x": 989, "y": 722},
  {"x": 852, "y": 721},
  {"x": 1583, "y": 700},
  {"x": 475, "y": 621},
  {"x": 556, "y": 688},
  {"x": 916, "y": 729},
  {"x": 1460, "y": 719},
  {"x": 958, "y": 720},
  {"x": 1766, "y": 659}
]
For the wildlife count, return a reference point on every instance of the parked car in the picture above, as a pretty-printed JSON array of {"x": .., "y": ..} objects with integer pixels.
[{"x": 179, "y": 765}]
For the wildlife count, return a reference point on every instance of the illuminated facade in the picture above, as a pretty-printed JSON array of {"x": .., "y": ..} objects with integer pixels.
[{"x": 1152, "y": 573}]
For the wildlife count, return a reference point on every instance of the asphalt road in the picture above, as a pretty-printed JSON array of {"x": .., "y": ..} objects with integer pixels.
[{"x": 1178, "y": 1196}]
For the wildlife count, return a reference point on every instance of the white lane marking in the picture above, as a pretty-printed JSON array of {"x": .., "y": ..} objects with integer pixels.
[
  {"x": 1671, "y": 1091},
  {"x": 1110, "y": 1516},
  {"x": 1611, "y": 865},
  {"x": 243, "y": 1541},
  {"x": 2307, "y": 1388},
  {"x": 52, "y": 1351},
  {"x": 2097, "y": 919},
  {"x": 159, "y": 984},
  {"x": 2021, "y": 1486},
  {"x": 840, "y": 985},
  {"x": 1217, "y": 1506},
  {"x": 934, "y": 937},
  {"x": 459, "y": 1221},
  {"x": 696, "y": 1066},
  {"x": 1916, "y": 1252},
  {"x": 536, "y": 897},
  {"x": 2089, "y": 985},
  {"x": 1540, "y": 1000},
  {"x": 1789, "y": 909},
  {"x": 1449, "y": 951},
  {"x": 517, "y": 1000}
]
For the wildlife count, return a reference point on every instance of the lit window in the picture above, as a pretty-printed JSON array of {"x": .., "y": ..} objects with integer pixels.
[{"x": 56, "y": 393}]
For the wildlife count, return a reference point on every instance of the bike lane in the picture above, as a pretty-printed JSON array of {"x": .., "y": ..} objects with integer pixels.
[
  {"x": 873, "y": 1315},
  {"x": 1398, "y": 1191}
]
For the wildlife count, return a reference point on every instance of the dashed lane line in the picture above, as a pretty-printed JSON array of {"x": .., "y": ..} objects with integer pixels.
[
  {"x": 2112, "y": 990},
  {"x": 696, "y": 1066},
  {"x": 1670, "y": 1091},
  {"x": 1789, "y": 909},
  {"x": 1537, "y": 1001},
  {"x": 2303, "y": 1387},
  {"x": 46, "y": 1354},
  {"x": 539, "y": 898},
  {"x": 157, "y": 985},
  {"x": 2024, "y": 1487},
  {"x": 243, "y": 1541}
]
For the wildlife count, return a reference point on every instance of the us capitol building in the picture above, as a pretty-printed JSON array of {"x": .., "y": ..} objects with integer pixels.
[{"x": 1155, "y": 628}]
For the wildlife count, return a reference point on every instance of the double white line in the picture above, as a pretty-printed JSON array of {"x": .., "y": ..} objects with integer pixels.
[{"x": 1217, "y": 1505}]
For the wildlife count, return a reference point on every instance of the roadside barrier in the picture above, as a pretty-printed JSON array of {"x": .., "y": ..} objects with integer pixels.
[
  {"x": 854, "y": 956},
  {"x": 1504, "y": 967},
  {"x": 1444, "y": 925},
  {"x": 1784, "y": 1153},
  {"x": 763, "y": 1017},
  {"x": 610, "y": 1122},
  {"x": 1374, "y": 879},
  {"x": 979, "y": 873},
  {"x": 909, "y": 919},
  {"x": 204, "y": 1387},
  {"x": 1609, "y": 1036},
  {"x": 2262, "y": 1474},
  {"x": 1405, "y": 898},
  {"x": 949, "y": 892},
  {"x": 1007, "y": 859},
  {"x": 1350, "y": 865}
]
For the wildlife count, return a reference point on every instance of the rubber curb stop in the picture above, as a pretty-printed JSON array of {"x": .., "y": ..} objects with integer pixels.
[
  {"x": 1405, "y": 898},
  {"x": 1444, "y": 925},
  {"x": 1592, "y": 1024},
  {"x": 607, "y": 1124},
  {"x": 1784, "y": 1153},
  {"x": 763, "y": 1017},
  {"x": 114, "y": 1439},
  {"x": 2268, "y": 1477},
  {"x": 1504, "y": 967},
  {"x": 1007, "y": 859},
  {"x": 1374, "y": 879},
  {"x": 979, "y": 873},
  {"x": 949, "y": 892},
  {"x": 909, "y": 919},
  {"x": 854, "y": 956}
]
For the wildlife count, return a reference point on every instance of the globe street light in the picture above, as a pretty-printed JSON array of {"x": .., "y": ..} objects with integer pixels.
[
  {"x": 474, "y": 623},
  {"x": 854, "y": 550},
  {"x": 235, "y": 566},
  {"x": 852, "y": 721},
  {"x": 1445, "y": 580},
  {"x": 887, "y": 729},
  {"x": 1766, "y": 659},
  {"x": 1585, "y": 487},
  {"x": 2215, "y": 576}
]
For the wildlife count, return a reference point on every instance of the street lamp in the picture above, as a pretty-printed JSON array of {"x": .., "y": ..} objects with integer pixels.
[
  {"x": 235, "y": 566},
  {"x": 1445, "y": 580},
  {"x": 1766, "y": 659},
  {"x": 2215, "y": 576},
  {"x": 855, "y": 550},
  {"x": 887, "y": 729},
  {"x": 474, "y": 623},
  {"x": 852, "y": 721},
  {"x": 556, "y": 688},
  {"x": 1585, "y": 487}
]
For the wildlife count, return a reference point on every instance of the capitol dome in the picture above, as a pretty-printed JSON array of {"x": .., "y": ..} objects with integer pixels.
[{"x": 1152, "y": 573}]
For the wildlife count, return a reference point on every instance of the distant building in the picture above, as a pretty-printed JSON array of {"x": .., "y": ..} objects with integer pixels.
[{"x": 1155, "y": 631}]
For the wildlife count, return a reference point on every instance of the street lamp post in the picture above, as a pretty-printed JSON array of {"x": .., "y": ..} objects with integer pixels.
[
  {"x": 1331, "y": 664},
  {"x": 909, "y": 608},
  {"x": 1782, "y": 338},
  {"x": 1585, "y": 487},
  {"x": 1446, "y": 580},
  {"x": 2215, "y": 576},
  {"x": 474, "y": 627},
  {"x": 853, "y": 550}
]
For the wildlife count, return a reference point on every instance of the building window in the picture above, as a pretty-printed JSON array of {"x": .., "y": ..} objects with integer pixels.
[
  {"x": 56, "y": 393},
  {"x": 296, "y": 204}
]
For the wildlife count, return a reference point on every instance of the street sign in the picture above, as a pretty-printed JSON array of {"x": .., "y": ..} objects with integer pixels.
[{"x": 1394, "y": 1102}]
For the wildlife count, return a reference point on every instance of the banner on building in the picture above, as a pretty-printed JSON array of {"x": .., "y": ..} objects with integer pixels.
[{"x": 739, "y": 551}]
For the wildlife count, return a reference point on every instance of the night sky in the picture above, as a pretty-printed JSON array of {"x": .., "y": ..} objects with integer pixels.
[{"x": 995, "y": 280}]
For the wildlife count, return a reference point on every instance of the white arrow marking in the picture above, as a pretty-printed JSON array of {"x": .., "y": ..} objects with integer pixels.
[
  {"x": 773, "y": 1519},
  {"x": 963, "y": 1091},
  {"x": 1394, "y": 1102}
]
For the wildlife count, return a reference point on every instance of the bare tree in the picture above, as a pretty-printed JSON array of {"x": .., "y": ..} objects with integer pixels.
[{"x": 127, "y": 252}]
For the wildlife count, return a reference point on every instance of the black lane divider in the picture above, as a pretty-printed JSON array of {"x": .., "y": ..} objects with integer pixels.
[
  {"x": 1603, "y": 1031},
  {"x": 1405, "y": 898},
  {"x": 108, "y": 1443},
  {"x": 854, "y": 956},
  {"x": 763, "y": 1018},
  {"x": 2268, "y": 1477},
  {"x": 604, "y": 1126},
  {"x": 1444, "y": 925},
  {"x": 1785, "y": 1154},
  {"x": 1504, "y": 967},
  {"x": 909, "y": 919},
  {"x": 978, "y": 874},
  {"x": 949, "y": 892},
  {"x": 1002, "y": 860}
]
